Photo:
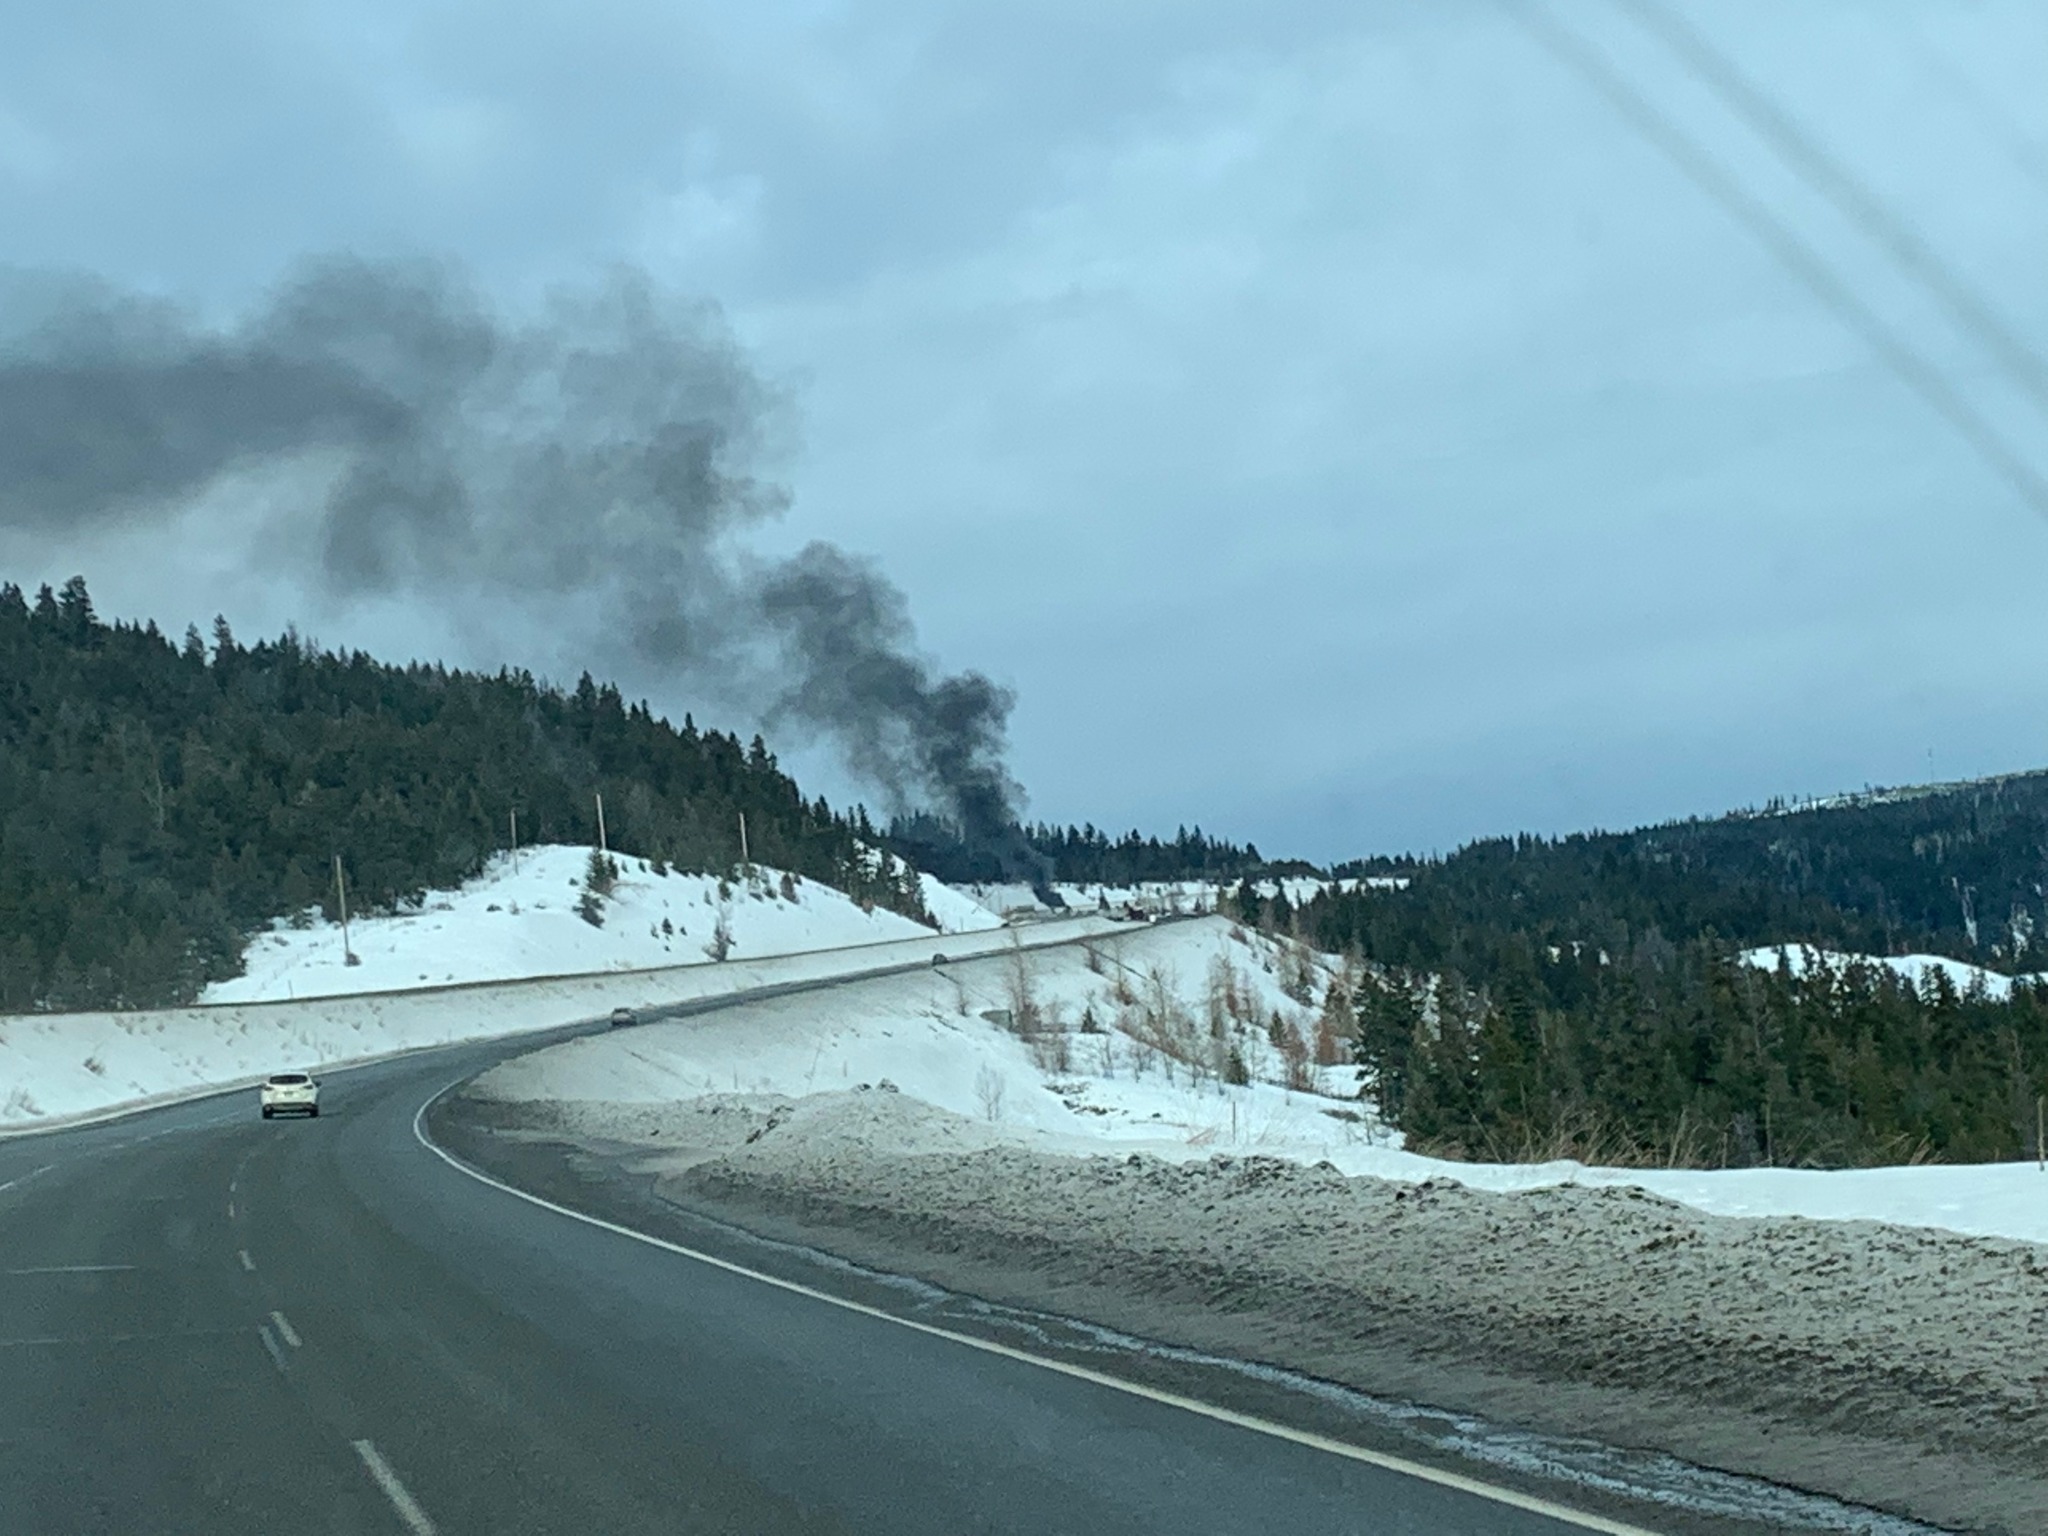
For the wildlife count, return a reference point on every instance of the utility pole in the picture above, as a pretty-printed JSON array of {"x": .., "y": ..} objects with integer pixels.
[
  {"x": 2041, "y": 1125},
  {"x": 602, "y": 845},
  {"x": 348, "y": 956},
  {"x": 743, "y": 837},
  {"x": 515, "y": 841}
]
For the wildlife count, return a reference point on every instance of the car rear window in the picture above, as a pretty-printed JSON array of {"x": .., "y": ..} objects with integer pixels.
[{"x": 289, "y": 1079}]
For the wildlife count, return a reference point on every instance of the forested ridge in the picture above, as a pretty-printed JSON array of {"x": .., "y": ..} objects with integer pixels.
[
  {"x": 1083, "y": 855},
  {"x": 1585, "y": 995},
  {"x": 159, "y": 801}
]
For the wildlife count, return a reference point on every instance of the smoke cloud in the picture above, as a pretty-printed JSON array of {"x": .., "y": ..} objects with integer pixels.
[{"x": 593, "y": 465}]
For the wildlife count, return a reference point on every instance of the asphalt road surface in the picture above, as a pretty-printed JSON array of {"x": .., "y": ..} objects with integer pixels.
[{"x": 213, "y": 1323}]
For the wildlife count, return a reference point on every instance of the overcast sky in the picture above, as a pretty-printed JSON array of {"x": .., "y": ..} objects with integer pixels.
[{"x": 1340, "y": 422}]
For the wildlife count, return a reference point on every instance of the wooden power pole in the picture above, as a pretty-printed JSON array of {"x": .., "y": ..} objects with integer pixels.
[
  {"x": 602, "y": 845},
  {"x": 348, "y": 955}
]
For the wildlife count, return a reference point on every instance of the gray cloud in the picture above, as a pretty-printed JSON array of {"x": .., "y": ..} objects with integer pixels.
[
  {"x": 595, "y": 462},
  {"x": 1348, "y": 430}
]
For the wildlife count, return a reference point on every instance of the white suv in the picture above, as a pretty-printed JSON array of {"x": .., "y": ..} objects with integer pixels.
[{"x": 291, "y": 1093}]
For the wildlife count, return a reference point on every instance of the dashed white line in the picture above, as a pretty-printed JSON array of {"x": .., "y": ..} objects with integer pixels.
[
  {"x": 33, "y": 1173},
  {"x": 285, "y": 1330},
  {"x": 408, "y": 1508},
  {"x": 231, "y": 1210},
  {"x": 270, "y": 1344},
  {"x": 100, "y": 1340},
  {"x": 247, "y": 1262}
]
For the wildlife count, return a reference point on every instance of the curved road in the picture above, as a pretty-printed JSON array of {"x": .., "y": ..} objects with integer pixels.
[{"x": 211, "y": 1323}]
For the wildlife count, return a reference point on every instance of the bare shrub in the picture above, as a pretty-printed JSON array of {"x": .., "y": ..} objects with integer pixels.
[
  {"x": 1334, "y": 1025},
  {"x": 1051, "y": 1050},
  {"x": 1298, "y": 971},
  {"x": 1294, "y": 1055},
  {"x": 1027, "y": 1015},
  {"x": 988, "y": 1092},
  {"x": 720, "y": 944}
]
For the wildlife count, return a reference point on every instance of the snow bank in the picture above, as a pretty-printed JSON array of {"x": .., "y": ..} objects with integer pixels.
[
  {"x": 519, "y": 919},
  {"x": 1124, "y": 1055},
  {"x": 61, "y": 1066}
]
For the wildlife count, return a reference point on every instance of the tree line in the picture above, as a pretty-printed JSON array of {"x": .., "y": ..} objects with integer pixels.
[
  {"x": 1587, "y": 996},
  {"x": 160, "y": 801},
  {"x": 1070, "y": 855}
]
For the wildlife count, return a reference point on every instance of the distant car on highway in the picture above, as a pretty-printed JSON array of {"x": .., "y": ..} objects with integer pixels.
[
  {"x": 621, "y": 1017},
  {"x": 290, "y": 1093}
]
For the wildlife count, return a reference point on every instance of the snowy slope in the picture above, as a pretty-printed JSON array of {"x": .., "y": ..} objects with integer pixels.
[
  {"x": 1171, "y": 896},
  {"x": 521, "y": 920},
  {"x": 54, "y": 1066},
  {"x": 1126, "y": 1053},
  {"x": 1129, "y": 1086},
  {"x": 1918, "y": 969}
]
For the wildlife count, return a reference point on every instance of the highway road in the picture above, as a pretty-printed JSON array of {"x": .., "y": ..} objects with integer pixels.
[{"x": 210, "y": 1323}]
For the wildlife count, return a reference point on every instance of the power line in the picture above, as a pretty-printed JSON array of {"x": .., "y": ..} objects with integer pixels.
[
  {"x": 1782, "y": 242},
  {"x": 1841, "y": 187}
]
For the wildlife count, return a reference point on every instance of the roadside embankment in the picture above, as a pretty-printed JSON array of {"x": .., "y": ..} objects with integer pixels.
[
  {"x": 61, "y": 1068},
  {"x": 1902, "y": 1368}
]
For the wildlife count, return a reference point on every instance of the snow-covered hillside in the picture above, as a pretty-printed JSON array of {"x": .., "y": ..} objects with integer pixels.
[
  {"x": 521, "y": 919},
  {"x": 1130, "y": 1050},
  {"x": 54, "y": 1066},
  {"x": 1129, "y": 1042}
]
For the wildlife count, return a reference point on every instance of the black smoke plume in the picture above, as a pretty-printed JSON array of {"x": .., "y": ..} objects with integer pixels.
[{"x": 591, "y": 468}]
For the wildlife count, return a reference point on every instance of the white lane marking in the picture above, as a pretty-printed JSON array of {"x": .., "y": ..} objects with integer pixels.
[
  {"x": 231, "y": 1210},
  {"x": 247, "y": 1262},
  {"x": 270, "y": 1344},
  {"x": 94, "y": 1340},
  {"x": 408, "y": 1508},
  {"x": 33, "y": 1173},
  {"x": 1428, "y": 1474},
  {"x": 285, "y": 1330},
  {"x": 71, "y": 1269}
]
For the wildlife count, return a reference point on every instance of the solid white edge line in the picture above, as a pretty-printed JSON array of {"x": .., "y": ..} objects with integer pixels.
[
  {"x": 71, "y": 1269},
  {"x": 285, "y": 1330},
  {"x": 1509, "y": 1497},
  {"x": 380, "y": 1470}
]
